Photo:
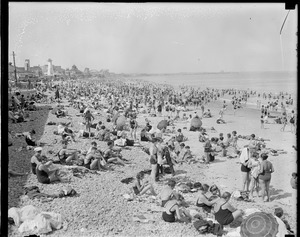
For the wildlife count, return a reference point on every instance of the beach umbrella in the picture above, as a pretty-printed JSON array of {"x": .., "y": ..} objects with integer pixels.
[
  {"x": 196, "y": 122},
  {"x": 162, "y": 124},
  {"x": 121, "y": 122},
  {"x": 259, "y": 224}
]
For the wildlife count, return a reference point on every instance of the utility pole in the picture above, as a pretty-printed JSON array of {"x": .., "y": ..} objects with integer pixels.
[{"x": 15, "y": 68}]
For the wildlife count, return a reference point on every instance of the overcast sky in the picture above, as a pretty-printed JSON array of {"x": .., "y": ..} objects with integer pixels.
[{"x": 154, "y": 37}]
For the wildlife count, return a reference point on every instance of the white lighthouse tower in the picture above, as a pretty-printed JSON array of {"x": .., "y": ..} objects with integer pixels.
[{"x": 50, "y": 68}]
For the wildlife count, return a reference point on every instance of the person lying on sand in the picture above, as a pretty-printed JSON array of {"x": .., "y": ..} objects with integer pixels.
[{"x": 141, "y": 186}]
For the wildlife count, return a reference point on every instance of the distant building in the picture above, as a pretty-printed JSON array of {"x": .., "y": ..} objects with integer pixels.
[
  {"x": 50, "y": 71},
  {"x": 27, "y": 64}
]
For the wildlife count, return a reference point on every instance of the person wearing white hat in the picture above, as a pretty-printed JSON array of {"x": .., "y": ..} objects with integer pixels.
[{"x": 36, "y": 159}]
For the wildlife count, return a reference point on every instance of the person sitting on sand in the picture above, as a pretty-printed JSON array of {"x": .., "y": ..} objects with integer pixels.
[
  {"x": 279, "y": 213},
  {"x": 185, "y": 154},
  {"x": 294, "y": 181},
  {"x": 202, "y": 135},
  {"x": 220, "y": 120},
  {"x": 29, "y": 139},
  {"x": 145, "y": 136},
  {"x": 94, "y": 160},
  {"x": 141, "y": 186},
  {"x": 224, "y": 212},
  {"x": 148, "y": 126},
  {"x": 111, "y": 155},
  {"x": 36, "y": 159},
  {"x": 173, "y": 211},
  {"x": 100, "y": 135},
  {"x": 168, "y": 192},
  {"x": 98, "y": 126},
  {"x": 45, "y": 174},
  {"x": 11, "y": 116},
  {"x": 204, "y": 201},
  {"x": 207, "y": 114},
  {"x": 179, "y": 136},
  {"x": 66, "y": 155}
]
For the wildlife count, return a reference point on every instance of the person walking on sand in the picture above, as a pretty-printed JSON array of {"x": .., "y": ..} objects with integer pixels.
[
  {"x": 207, "y": 149},
  {"x": 202, "y": 108},
  {"x": 153, "y": 150},
  {"x": 133, "y": 127},
  {"x": 262, "y": 121},
  {"x": 292, "y": 122},
  {"x": 88, "y": 117},
  {"x": 283, "y": 121}
]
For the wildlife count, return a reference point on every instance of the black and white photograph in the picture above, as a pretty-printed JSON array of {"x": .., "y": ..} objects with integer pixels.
[{"x": 151, "y": 119}]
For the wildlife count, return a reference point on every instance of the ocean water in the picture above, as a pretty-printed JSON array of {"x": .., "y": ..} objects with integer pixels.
[{"x": 274, "y": 82}]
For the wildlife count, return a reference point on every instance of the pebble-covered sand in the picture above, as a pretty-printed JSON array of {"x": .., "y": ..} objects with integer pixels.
[{"x": 100, "y": 208}]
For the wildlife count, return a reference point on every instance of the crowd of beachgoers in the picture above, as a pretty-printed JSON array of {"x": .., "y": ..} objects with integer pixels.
[{"x": 116, "y": 115}]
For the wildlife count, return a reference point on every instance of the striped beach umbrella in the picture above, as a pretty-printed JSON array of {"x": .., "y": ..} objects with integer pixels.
[{"x": 259, "y": 224}]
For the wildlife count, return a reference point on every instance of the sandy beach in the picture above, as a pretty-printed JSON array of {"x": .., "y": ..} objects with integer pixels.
[{"x": 100, "y": 209}]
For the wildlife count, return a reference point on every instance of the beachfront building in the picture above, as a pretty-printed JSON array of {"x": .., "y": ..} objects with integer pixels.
[
  {"x": 52, "y": 70},
  {"x": 22, "y": 72}
]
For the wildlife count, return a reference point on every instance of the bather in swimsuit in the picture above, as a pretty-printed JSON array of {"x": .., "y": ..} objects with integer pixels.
[
  {"x": 42, "y": 176},
  {"x": 169, "y": 217},
  {"x": 224, "y": 216}
]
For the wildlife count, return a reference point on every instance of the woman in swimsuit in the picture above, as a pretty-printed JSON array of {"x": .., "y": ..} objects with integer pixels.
[
  {"x": 173, "y": 211},
  {"x": 168, "y": 193},
  {"x": 141, "y": 186},
  {"x": 224, "y": 212},
  {"x": 264, "y": 178},
  {"x": 94, "y": 160},
  {"x": 205, "y": 202},
  {"x": 254, "y": 164}
]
